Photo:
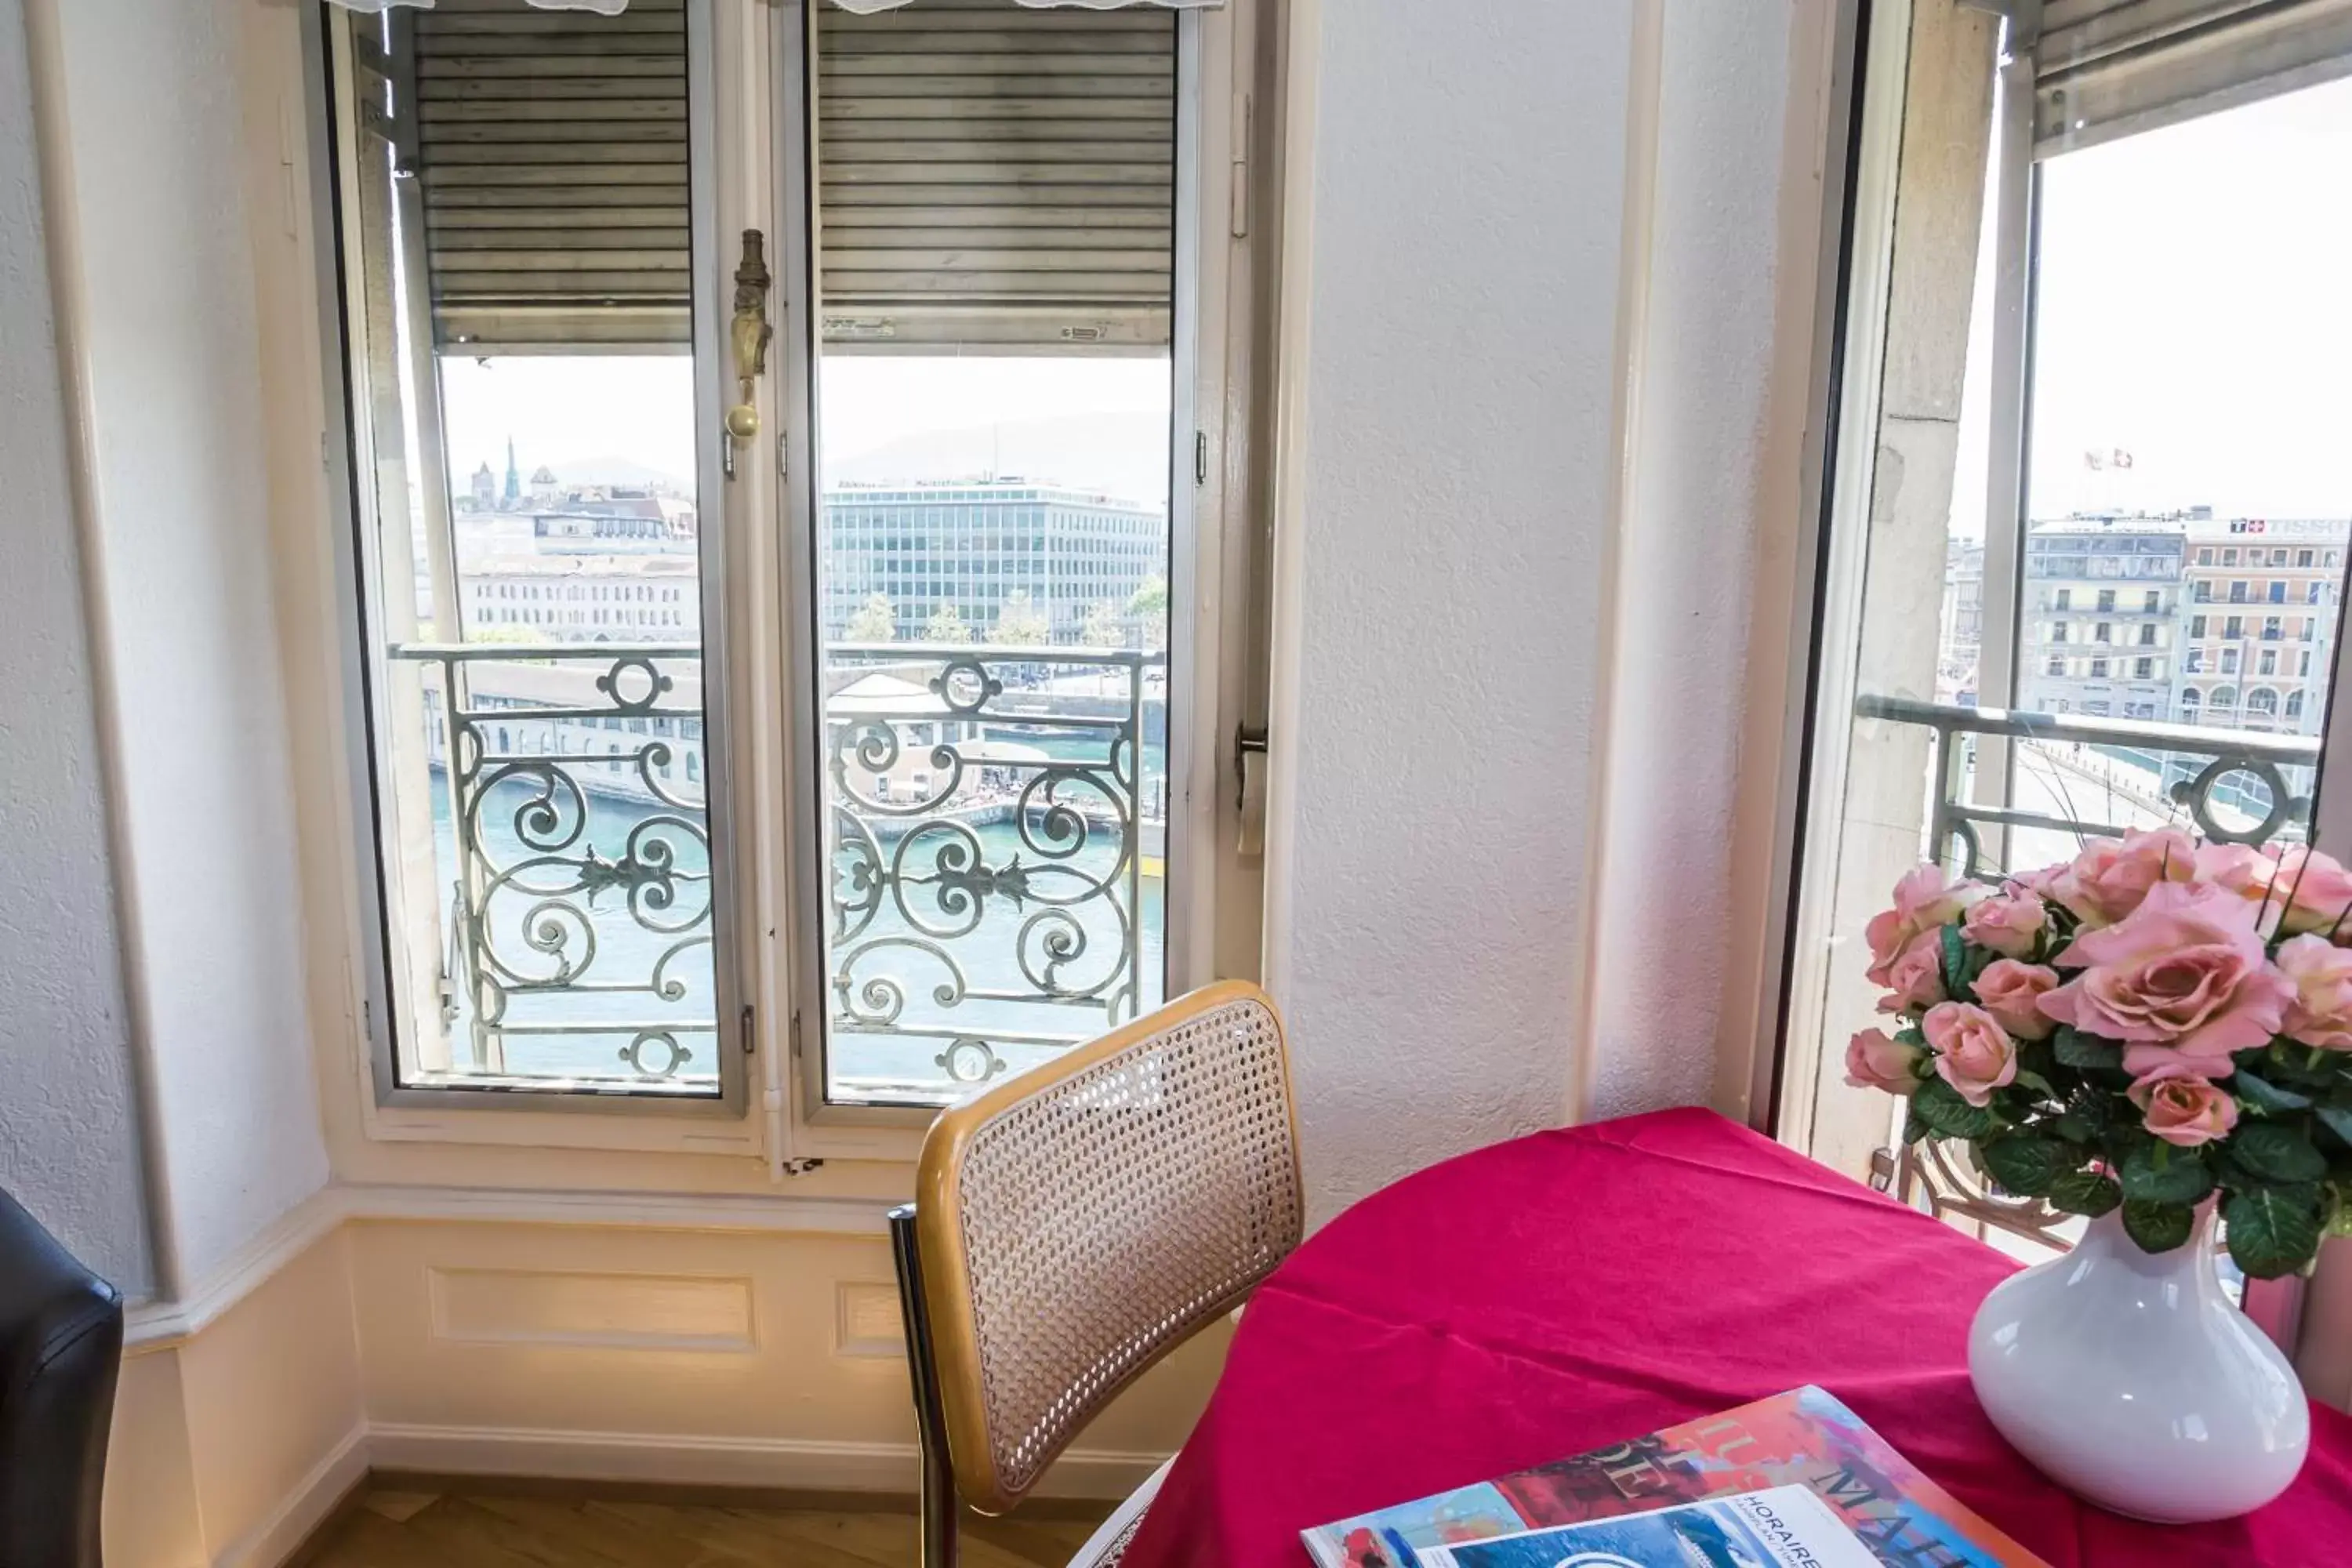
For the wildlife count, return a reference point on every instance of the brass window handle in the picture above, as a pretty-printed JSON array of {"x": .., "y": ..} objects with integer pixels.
[{"x": 749, "y": 334}]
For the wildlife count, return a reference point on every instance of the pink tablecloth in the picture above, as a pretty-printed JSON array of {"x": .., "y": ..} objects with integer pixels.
[{"x": 1553, "y": 1294}]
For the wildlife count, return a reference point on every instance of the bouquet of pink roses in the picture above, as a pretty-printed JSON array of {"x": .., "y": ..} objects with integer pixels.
[{"x": 2154, "y": 1023}]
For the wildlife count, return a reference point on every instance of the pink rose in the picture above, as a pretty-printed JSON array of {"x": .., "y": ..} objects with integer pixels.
[
  {"x": 2109, "y": 880},
  {"x": 2316, "y": 891},
  {"x": 1973, "y": 1053},
  {"x": 1923, "y": 900},
  {"x": 1874, "y": 1061},
  {"x": 2009, "y": 922},
  {"x": 2011, "y": 991},
  {"x": 1917, "y": 977},
  {"x": 2183, "y": 976},
  {"x": 2181, "y": 1107},
  {"x": 2321, "y": 1011}
]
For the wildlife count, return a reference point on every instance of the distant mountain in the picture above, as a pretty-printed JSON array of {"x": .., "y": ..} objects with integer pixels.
[
  {"x": 1126, "y": 455},
  {"x": 616, "y": 471}
]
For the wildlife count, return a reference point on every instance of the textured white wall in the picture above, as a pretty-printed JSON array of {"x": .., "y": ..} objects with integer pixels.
[
  {"x": 1441, "y": 606},
  {"x": 1540, "y": 447},
  {"x": 68, "y": 1127},
  {"x": 1711, "y": 486},
  {"x": 169, "y": 338}
]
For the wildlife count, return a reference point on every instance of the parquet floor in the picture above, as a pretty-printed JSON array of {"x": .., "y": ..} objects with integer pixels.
[{"x": 397, "y": 1524}]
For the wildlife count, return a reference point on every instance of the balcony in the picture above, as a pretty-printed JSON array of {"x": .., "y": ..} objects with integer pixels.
[
  {"x": 996, "y": 844},
  {"x": 2067, "y": 780}
]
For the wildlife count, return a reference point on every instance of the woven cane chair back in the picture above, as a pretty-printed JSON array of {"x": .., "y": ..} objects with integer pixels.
[{"x": 1083, "y": 1219}]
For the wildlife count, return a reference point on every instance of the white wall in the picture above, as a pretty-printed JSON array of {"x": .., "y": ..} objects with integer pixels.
[
  {"x": 1539, "y": 451},
  {"x": 162, "y": 308},
  {"x": 69, "y": 1124}
]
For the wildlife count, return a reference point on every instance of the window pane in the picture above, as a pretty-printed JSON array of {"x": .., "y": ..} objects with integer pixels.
[
  {"x": 994, "y": 409},
  {"x": 2183, "y": 498},
  {"x": 534, "y": 550}
]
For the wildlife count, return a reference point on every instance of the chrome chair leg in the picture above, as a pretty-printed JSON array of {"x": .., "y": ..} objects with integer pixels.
[{"x": 939, "y": 1493}]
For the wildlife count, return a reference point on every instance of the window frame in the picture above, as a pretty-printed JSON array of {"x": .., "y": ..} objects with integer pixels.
[
  {"x": 1217, "y": 320},
  {"x": 502, "y": 1111}
]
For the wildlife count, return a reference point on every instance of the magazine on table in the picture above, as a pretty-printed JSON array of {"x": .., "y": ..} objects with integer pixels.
[
  {"x": 1787, "y": 1527},
  {"x": 1803, "y": 1438}
]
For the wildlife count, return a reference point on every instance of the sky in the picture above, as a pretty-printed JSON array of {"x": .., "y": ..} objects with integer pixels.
[
  {"x": 2194, "y": 313},
  {"x": 1104, "y": 421}
]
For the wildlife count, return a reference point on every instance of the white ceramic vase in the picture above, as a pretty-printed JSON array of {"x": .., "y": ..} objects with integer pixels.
[{"x": 2129, "y": 1379}]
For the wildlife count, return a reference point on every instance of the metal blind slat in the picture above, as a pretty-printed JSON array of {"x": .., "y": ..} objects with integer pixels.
[
  {"x": 552, "y": 151},
  {"x": 994, "y": 176},
  {"x": 2106, "y": 69}
]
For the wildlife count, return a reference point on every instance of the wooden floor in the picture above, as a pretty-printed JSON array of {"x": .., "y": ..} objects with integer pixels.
[{"x": 398, "y": 1523}]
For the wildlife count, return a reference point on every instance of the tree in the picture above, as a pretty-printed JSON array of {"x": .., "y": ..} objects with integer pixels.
[
  {"x": 1150, "y": 605},
  {"x": 874, "y": 621},
  {"x": 946, "y": 625},
  {"x": 1018, "y": 622},
  {"x": 1100, "y": 627}
]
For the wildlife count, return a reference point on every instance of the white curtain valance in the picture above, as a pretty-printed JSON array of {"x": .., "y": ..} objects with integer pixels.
[
  {"x": 602, "y": 8},
  {"x": 867, "y": 8},
  {"x": 863, "y": 8}
]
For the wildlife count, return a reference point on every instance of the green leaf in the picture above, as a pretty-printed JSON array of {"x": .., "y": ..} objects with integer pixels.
[
  {"x": 2265, "y": 1095},
  {"x": 2072, "y": 1128},
  {"x": 2157, "y": 1226},
  {"x": 2024, "y": 1166},
  {"x": 1939, "y": 1105},
  {"x": 2087, "y": 1192},
  {"x": 2336, "y": 1118},
  {"x": 2273, "y": 1231},
  {"x": 1913, "y": 1128},
  {"x": 1911, "y": 1036},
  {"x": 2269, "y": 1151},
  {"x": 2076, "y": 1049},
  {"x": 1955, "y": 966},
  {"x": 2161, "y": 1174}
]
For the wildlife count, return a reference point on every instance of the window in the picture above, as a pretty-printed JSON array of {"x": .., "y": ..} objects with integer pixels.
[
  {"x": 2271, "y": 632},
  {"x": 2294, "y": 704},
  {"x": 2278, "y": 557},
  {"x": 990, "y": 672},
  {"x": 2065, "y": 599},
  {"x": 549, "y": 927},
  {"x": 2261, "y": 699},
  {"x": 2067, "y": 212},
  {"x": 2277, "y": 591},
  {"x": 2314, "y": 593},
  {"x": 2303, "y": 558},
  {"x": 2107, "y": 601},
  {"x": 2056, "y": 666},
  {"x": 2103, "y": 631},
  {"x": 2267, "y": 662},
  {"x": 2058, "y": 632}
]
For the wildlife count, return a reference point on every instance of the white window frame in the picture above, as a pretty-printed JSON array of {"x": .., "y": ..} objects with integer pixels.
[
  {"x": 1216, "y": 661},
  {"x": 742, "y": 58}
]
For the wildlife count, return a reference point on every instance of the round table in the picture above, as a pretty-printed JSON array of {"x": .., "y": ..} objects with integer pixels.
[{"x": 1550, "y": 1295}]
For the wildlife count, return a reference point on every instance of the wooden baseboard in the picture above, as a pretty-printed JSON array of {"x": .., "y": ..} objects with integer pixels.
[{"x": 682, "y": 1495}]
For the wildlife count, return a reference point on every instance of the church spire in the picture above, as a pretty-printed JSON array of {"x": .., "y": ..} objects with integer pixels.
[{"x": 514, "y": 475}]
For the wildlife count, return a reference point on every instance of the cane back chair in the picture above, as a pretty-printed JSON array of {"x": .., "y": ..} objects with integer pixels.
[{"x": 1073, "y": 1224}]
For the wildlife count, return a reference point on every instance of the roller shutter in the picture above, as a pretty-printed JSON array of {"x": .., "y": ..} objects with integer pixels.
[
  {"x": 992, "y": 175},
  {"x": 2106, "y": 69},
  {"x": 552, "y": 148}
]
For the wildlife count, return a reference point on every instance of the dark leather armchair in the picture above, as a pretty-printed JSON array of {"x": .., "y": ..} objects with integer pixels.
[{"x": 60, "y": 1347}]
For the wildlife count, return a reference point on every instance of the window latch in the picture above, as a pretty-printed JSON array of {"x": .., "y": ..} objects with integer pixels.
[{"x": 749, "y": 334}]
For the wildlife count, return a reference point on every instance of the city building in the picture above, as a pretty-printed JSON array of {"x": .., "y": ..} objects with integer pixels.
[
  {"x": 967, "y": 544},
  {"x": 565, "y": 598},
  {"x": 1962, "y": 621},
  {"x": 2101, "y": 594},
  {"x": 2259, "y": 604}
]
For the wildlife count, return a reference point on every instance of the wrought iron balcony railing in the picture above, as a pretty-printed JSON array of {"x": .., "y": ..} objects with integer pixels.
[
  {"x": 997, "y": 823},
  {"x": 2238, "y": 786},
  {"x": 572, "y": 825}
]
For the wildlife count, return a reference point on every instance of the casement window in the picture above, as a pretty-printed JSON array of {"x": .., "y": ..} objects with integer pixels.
[
  {"x": 782, "y": 498},
  {"x": 2014, "y": 223}
]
